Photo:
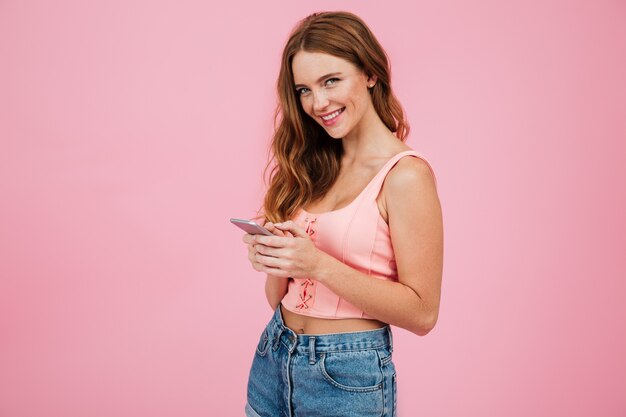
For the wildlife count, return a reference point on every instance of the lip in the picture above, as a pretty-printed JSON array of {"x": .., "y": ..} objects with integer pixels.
[
  {"x": 335, "y": 119},
  {"x": 330, "y": 112}
]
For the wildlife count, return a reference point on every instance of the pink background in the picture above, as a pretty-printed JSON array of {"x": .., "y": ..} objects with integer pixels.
[{"x": 131, "y": 131}]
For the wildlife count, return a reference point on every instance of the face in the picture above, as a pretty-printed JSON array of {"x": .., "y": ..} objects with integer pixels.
[{"x": 332, "y": 91}]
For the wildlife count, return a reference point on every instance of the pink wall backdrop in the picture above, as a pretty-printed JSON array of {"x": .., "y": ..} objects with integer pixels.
[{"x": 131, "y": 131}]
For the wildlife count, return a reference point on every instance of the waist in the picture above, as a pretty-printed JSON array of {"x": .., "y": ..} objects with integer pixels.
[
  {"x": 328, "y": 342},
  {"x": 301, "y": 324}
]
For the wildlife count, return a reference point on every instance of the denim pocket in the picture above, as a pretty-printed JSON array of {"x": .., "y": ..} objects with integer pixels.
[
  {"x": 263, "y": 345},
  {"x": 355, "y": 371}
]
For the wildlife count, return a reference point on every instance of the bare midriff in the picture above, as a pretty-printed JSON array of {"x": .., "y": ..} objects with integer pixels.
[{"x": 315, "y": 325}]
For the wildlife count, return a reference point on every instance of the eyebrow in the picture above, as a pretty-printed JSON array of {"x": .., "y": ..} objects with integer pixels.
[{"x": 320, "y": 78}]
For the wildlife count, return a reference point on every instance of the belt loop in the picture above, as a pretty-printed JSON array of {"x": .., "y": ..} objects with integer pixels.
[
  {"x": 277, "y": 335},
  {"x": 390, "y": 338},
  {"x": 311, "y": 350}
]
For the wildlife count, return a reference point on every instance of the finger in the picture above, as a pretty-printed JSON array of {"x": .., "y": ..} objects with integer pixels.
[
  {"x": 278, "y": 273},
  {"x": 258, "y": 267},
  {"x": 278, "y": 232},
  {"x": 248, "y": 238},
  {"x": 265, "y": 250},
  {"x": 252, "y": 257},
  {"x": 283, "y": 233},
  {"x": 273, "y": 241},
  {"x": 270, "y": 226},
  {"x": 275, "y": 272},
  {"x": 290, "y": 226},
  {"x": 268, "y": 261}
]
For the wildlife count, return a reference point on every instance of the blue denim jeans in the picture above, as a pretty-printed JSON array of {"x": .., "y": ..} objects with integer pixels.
[{"x": 306, "y": 375}]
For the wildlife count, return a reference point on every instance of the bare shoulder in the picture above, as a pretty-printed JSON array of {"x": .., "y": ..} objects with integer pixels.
[
  {"x": 408, "y": 185},
  {"x": 410, "y": 174}
]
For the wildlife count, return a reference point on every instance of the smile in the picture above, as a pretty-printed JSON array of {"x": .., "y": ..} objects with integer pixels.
[{"x": 333, "y": 114}]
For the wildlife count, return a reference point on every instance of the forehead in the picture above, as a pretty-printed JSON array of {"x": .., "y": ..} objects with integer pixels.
[{"x": 308, "y": 66}]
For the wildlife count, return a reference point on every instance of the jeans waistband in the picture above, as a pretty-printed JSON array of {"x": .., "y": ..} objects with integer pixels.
[{"x": 328, "y": 342}]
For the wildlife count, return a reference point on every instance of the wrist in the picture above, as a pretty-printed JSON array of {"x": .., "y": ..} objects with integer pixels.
[{"x": 323, "y": 267}]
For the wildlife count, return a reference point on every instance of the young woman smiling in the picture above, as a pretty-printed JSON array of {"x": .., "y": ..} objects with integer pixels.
[{"x": 358, "y": 231}]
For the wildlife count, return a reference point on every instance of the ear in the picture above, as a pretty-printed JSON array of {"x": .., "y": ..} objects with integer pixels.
[{"x": 371, "y": 80}]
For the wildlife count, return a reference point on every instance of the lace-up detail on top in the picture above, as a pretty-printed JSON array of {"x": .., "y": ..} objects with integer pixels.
[{"x": 307, "y": 286}]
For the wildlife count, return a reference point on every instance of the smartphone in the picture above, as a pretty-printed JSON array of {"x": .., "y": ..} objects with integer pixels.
[{"x": 251, "y": 227}]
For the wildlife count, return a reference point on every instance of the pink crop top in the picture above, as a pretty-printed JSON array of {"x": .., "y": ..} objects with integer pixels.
[{"x": 355, "y": 234}]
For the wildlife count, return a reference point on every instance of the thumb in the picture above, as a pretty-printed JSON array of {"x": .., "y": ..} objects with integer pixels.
[{"x": 290, "y": 226}]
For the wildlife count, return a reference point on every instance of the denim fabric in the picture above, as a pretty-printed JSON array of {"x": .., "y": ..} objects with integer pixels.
[{"x": 307, "y": 375}]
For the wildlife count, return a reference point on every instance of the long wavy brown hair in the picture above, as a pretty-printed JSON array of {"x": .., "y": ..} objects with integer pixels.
[{"x": 304, "y": 160}]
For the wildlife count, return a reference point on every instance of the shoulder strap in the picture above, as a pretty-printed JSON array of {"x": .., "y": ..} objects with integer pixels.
[{"x": 377, "y": 182}]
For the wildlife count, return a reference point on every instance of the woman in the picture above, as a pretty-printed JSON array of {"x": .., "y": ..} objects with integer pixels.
[{"x": 358, "y": 242}]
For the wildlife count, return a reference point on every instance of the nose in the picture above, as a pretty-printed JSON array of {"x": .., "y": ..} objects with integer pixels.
[{"x": 320, "y": 101}]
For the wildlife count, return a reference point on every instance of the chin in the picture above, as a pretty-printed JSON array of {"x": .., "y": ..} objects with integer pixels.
[{"x": 335, "y": 136}]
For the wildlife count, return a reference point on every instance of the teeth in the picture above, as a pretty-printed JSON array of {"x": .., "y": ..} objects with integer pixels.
[{"x": 332, "y": 115}]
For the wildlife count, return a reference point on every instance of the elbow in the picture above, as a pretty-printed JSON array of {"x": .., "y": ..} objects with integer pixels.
[
  {"x": 425, "y": 325},
  {"x": 425, "y": 315}
]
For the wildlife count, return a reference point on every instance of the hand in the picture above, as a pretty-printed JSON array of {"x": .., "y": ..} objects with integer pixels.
[
  {"x": 292, "y": 256},
  {"x": 252, "y": 251}
]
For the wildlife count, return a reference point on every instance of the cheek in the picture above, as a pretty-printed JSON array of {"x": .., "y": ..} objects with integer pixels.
[
  {"x": 359, "y": 102},
  {"x": 360, "y": 93},
  {"x": 307, "y": 106},
  {"x": 351, "y": 100}
]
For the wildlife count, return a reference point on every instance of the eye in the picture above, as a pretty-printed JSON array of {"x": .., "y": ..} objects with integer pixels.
[{"x": 299, "y": 91}]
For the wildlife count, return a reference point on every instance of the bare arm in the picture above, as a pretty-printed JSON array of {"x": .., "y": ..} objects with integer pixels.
[{"x": 275, "y": 289}]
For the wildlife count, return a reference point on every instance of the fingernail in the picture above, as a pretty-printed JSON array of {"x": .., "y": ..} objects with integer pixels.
[{"x": 278, "y": 224}]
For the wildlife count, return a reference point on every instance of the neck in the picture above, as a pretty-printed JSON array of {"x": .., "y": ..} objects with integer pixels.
[{"x": 370, "y": 137}]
